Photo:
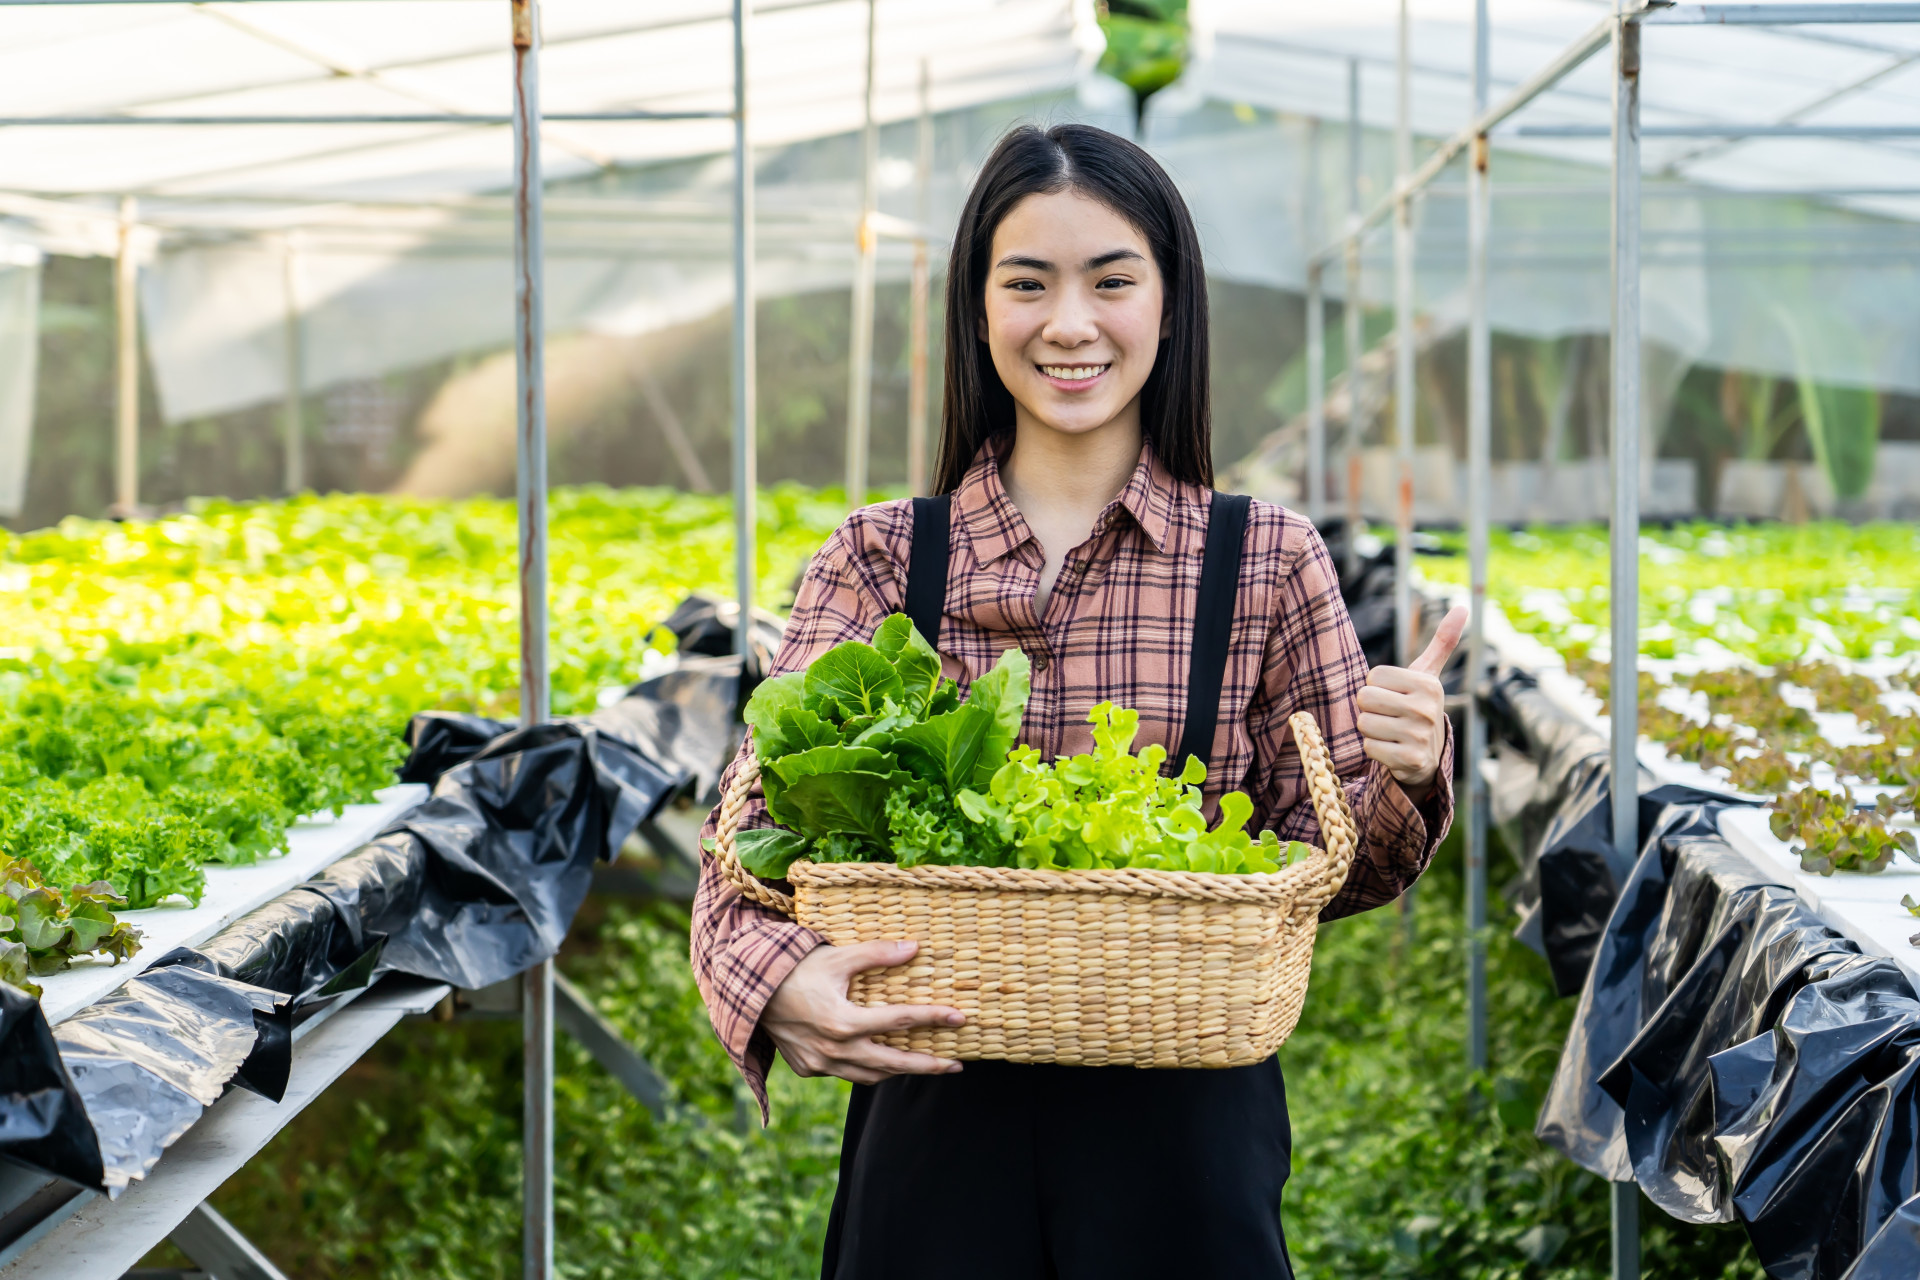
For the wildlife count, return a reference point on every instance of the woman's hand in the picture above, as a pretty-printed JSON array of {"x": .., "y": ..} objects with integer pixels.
[
  {"x": 1403, "y": 712},
  {"x": 822, "y": 1033}
]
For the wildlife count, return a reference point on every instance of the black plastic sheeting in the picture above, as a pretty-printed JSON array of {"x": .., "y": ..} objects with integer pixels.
[
  {"x": 470, "y": 887},
  {"x": 1740, "y": 1059}
]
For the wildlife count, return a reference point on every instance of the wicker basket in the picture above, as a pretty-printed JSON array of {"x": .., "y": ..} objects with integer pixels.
[{"x": 1090, "y": 968}]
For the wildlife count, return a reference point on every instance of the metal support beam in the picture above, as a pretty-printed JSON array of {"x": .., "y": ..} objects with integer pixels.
[
  {"x": 600, "y": 1038},
  {"x": 126, "y": 386},
  {"x": 746, "y": 471},
  {"x": 529, "y": 323},
  {"x": 1730, "y": 129},
  {"x": 1780, "y": 15},
  {"x": 1310, "y": 219},
  {"x": 1450, "y": 149},
  {"x": 1353, "y": 313},
  {"x": 403, "y": 117},
  {"x": 1624, "y": 587},
  {"x": 220, "y": 1250},
  {"x": 860, "y": 334},
  {"x": 919, "y": 293},
  {"x": 1316, "y": 396},
  {"x": 294, "y": 459},
  {"x": 1479, "y": 469},
  {"x": 1405, "y": 623}
]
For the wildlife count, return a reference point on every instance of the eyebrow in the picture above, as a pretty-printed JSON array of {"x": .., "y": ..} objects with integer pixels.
[{"x": 1093, "y": 264}]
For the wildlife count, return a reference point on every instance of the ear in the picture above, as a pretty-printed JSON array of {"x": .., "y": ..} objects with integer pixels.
[
  {"x": 1166, "y": 324},
  {"x": 980, "y": 326}
]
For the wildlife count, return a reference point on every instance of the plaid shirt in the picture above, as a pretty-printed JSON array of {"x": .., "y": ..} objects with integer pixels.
[{"x": 1118, "y": 627}]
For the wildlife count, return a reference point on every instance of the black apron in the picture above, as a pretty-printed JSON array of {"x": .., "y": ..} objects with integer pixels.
[{"x": 1010, "y": 1171}]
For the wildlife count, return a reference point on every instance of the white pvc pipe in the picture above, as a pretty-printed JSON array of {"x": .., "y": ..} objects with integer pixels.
[
  {"x": 1404, "y": 621},
  {"x": 126, "y": 398},
  {"x": 1479, "y": 468},
  {"x": 860, "y": 337},
  {"x": 746, "y": 470}
]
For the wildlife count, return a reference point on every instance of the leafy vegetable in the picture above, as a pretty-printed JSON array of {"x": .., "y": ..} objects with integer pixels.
[
  {"x": 43, "y": 929},
  {"x": 869, "y": 755}
]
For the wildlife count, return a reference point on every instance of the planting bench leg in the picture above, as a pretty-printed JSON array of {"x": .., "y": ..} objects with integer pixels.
[
  {"x": 221, "y": 1251},
  {"x": 576, "y": 1016}
]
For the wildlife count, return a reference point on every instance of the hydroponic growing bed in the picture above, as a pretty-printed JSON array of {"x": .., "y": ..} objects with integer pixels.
[
  {"x": 1778, "y": 661},
  {"x": 198, "y": 712}
]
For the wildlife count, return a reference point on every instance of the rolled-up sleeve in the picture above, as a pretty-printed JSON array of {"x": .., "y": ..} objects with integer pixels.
[
  {"x": 1313, "y": 663},
  {"x": 741, "y": 950}
]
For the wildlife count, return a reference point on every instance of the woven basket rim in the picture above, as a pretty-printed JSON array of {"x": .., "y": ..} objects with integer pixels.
[{"x": 1260, "y": 886}]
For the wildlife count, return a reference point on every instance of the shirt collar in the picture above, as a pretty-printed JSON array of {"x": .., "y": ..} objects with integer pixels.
[{"x": 995, "y": 526}]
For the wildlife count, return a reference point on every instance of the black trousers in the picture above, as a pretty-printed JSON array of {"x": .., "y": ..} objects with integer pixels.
[{"x": 1011, "y": 1172}]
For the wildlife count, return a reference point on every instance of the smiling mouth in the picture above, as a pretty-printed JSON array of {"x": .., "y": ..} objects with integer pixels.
[{"x": 1074, "y": 372}]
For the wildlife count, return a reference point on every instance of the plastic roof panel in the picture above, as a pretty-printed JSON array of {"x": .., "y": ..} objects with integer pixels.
[{"x": 345, "y": 57}]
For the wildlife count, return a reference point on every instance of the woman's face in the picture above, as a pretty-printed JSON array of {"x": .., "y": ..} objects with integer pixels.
[{"x": 1073, "y": 311}]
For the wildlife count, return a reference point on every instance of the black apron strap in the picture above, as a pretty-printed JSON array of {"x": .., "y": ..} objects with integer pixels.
[
  {"x": 1213, "y": 625},
  {"x": 927, "y": 565}
]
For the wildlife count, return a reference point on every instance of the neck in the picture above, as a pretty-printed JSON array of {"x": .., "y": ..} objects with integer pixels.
[{"x": 1051, "y": 471}]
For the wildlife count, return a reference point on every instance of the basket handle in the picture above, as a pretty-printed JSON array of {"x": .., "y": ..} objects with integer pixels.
[
  {"x": 733, "y": 803},
  {"x": 1339, "y": 833}
]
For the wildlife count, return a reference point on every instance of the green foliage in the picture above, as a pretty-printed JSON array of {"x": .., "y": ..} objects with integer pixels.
[
  {"x": 1834, "y": 835},
  {"x": 869, "y": 756},
  {"x": 1399, "y": 1169},
  {"x": 410, "y": 1168},
  {"x": 42, "y": 929}
]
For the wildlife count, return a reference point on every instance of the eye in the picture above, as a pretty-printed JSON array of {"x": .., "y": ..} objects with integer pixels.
[
  {"x": 1024, "y": 286},
  {"x": 1114, "y": 282}
]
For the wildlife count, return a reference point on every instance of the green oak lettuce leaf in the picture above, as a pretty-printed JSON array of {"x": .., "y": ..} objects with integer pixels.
[
  {"x": 852, "y": 679},
  {"x": 946, "y": 749},
  {"x": 799, "y": 729},
  {"x": 1002, "y": 693},
  {"x": 833, "y": 791},
  {"x": 768, "y": 851},
  {"x": 773, "y": 698},
  {"x": 916, "y": 661}
]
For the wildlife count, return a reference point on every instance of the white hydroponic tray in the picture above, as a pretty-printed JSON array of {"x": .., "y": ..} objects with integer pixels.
[
  {"x": 1866, "y": 908},
  {"x": 314, "y": 844}
]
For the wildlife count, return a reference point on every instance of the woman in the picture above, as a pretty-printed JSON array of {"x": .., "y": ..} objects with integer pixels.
[{"x": 1075, "y": 447}]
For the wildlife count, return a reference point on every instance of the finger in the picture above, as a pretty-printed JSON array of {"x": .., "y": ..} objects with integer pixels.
[
  {"x": 866, "y": 1055},
  {"x": 881, "y": 1018},
  {"x": 1396, "y": 729},
  {"x": 1403, "y": 680},
  {"x": 862, "y": 956},
  {"x": 1401, "y": 762},
  {"x": 1385, "y": 702},
  {"x": 1452, "y": 627}
]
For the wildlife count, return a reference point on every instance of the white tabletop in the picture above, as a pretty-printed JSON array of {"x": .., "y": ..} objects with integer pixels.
[{"x": 313, "y": 846}]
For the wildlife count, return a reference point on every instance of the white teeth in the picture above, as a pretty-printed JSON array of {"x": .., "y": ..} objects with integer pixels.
[{"x": 1073, "y": 372}]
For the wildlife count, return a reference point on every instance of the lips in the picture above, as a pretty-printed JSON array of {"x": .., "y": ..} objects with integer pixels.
[{"x": 1073, "y": 375}]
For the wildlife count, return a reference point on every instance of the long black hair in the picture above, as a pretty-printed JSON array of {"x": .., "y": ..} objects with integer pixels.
[{"x": 1175, "y": 413}]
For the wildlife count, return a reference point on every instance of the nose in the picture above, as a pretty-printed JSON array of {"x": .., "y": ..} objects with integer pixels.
[{"x": 1072, "y": 321}]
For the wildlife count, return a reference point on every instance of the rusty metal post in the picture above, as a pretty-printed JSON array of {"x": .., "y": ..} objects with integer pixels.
[
  {"x": 746, "y": 470},
  {"x": 294, "y": 458},
  {"x": 1479, "y": 467},
  {"x": 860, "y": 336},
  {"x": 919, "y": 294},
  {"x": 529, "y": 331},
  {"x": 1353, "y": 316},
  {"x": 1624, "y": 587},
  {"x": 1405, "y": 622},
  {"x": 126, "y": 399}
]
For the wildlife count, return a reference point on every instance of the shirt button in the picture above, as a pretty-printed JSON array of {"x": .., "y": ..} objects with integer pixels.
[{"x": 1039, "y": 663}]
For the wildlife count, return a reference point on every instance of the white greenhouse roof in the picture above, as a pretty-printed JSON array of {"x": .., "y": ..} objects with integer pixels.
[
  {"x": 1293, "y": 57},
  {"x": 338, "y": 58}
]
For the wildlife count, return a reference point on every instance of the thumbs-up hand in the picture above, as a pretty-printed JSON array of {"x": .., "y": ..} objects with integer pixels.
[{"x": 1403, "y": 712}]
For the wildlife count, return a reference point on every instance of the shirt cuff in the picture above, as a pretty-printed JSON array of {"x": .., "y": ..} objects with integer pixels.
[{"x": 769, "y": 953}]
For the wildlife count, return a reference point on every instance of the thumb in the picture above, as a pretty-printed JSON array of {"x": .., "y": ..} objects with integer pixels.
[
  {"x": 874, "y": 955},
  {"x": 1445, "y": 640}
]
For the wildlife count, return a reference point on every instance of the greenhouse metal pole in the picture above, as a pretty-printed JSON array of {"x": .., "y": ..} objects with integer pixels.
[
  {"x": 1316, "y": 395},
  {"x": 746, "y": 469},
  {"x": 919, "y": 293},
  {"x": 1311, "y": 234},
  {"x": 126, "y": 397},
  {"x": 860, "y": 335},
  {"x": 1404, "y": 621},
  {"x": 1353, "y": 312},
  {"x": 530, "y": 412},
  {"x": 294, "y": 477},
  {"x": 1479, "y": 466},
  {"x": 1624, "y": 587}
]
